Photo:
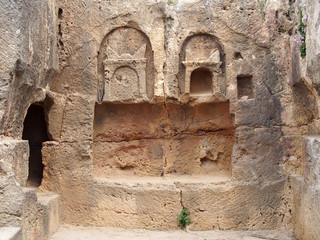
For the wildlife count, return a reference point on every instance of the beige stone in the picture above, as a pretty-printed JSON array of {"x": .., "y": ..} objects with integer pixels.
[{"x": 155, "y": 106}]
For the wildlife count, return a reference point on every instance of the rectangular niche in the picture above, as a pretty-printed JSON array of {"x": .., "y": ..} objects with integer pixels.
[
  {"x": 162, "y": 140},
  {"x": 245, "y": 87},
  {"x": 201, "y": 82}
]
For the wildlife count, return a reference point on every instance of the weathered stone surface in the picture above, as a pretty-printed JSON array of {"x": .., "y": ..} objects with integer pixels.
[
  {"x": 10, "y": 233},
  {"x": 158, "y": 105},
  {"x": 228, "y": 206},
  {"x": 115, "y": 201},
  {"x": 294, "y": 155},
  {"x": 11, "y": 200},
  {"x": 306, "y": 212},
  {"x": 313, "y": 45},
  {"x": 51, "y": 215},
  {"x": 257, "y": 155},
  {"x": 81, "y": 233},
  {"x": 76, "y": 122},
  {"x": 114, "y": 122},
  {"x": 40, "y": 214},
  {"x": 13, "y": 175},
  {"x": 307, "y": 192},
  {"x": 28, "y": 53},
  {"x": 77, "y": 191},
  {"x": 197, "y": 155},
  {"x": 14, "y": 154}
]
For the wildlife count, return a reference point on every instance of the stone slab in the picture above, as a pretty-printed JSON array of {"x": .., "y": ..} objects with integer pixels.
[
  {"x": 155, "y": 203},
  {"x": 15, "y": 154},
  {"x": 50, "y": 203},
  {"x": 82, "y": 233},
  {"x": 10, "y": 233}
]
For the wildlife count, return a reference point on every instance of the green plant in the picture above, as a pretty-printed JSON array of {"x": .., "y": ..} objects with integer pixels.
[
  {"x": 262, "y": 5},
  {"x": 182, "y": 218},
  {"x": 302, "y": 33},
  {"x": 172, "y": 2}
]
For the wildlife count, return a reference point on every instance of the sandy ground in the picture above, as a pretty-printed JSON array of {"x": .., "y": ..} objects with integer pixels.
[{"x": 93, "y": 233}]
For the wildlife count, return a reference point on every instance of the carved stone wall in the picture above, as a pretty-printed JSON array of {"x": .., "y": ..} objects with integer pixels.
[
  {"x": 202, "y": 71},
  {"x": 195, "y": 107},
  {"x": 125, "y": 66},
  {"x": 156, "y": 140}
]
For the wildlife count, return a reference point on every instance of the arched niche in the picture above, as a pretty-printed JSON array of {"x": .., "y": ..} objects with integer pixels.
[
  {"x": 125, "y": 65},
  {"x": 201, "y": 57}
]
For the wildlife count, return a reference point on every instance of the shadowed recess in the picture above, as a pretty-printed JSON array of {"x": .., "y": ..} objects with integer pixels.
[{"x": 35, "y": 131}]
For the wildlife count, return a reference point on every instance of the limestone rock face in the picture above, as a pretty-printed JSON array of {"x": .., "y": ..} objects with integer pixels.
[
  {"x": 13, "y": 175},
  {"x": 159, "y": 105},
  {"x": 159, "y": 98},
  {"x": 28, "y": 58}
]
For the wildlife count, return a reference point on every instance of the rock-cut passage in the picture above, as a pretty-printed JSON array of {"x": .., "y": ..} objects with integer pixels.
[{"x": 35, "y": 131}]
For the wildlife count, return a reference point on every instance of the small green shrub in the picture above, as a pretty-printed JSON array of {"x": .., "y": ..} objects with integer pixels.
[
  {"x": 172, "y": 2},
  {"x": 182, "y": 218},
  {"x": 302, "y": 32},
  {"x": 262, "y": 5}
]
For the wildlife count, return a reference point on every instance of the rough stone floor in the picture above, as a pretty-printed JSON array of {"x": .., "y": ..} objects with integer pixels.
[{"x": 91, "y": 233}]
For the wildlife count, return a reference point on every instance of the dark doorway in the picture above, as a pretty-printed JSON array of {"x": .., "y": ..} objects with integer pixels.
[{"x": 35, "y": 131}]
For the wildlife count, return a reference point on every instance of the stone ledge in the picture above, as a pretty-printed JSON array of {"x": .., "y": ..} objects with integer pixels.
[{"x": 94, "y": 233}]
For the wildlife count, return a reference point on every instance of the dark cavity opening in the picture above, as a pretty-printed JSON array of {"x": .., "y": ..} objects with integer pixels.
[
  {"x": 238, "y": 56},
  {"x": 35, "y": 131},
  {"x": 60, "y": 11},
  {"x": 245, "y": 87},
  {"x": 201, "y": 82}
]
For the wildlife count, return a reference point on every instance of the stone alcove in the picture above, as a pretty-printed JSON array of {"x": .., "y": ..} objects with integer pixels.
[
  {"x": 201, "y": 82},
  {"x": 125, "y": 64},
  {"x": 153, "y": 140},
  {"x": 202, "y": 66},
  {"x": 245, "y": 87},
  {"x": 133, "y": 136}
]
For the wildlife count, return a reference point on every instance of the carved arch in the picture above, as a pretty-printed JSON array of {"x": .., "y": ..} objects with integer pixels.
[{"x": 130, "y": 47}]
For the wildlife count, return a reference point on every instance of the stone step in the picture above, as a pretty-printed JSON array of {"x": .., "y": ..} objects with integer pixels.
[
  {"x": 94, "y": 233},
  {"x": 155, "y": 203},
  {"x": 51, "y": 206},
  {"x": 10, "y": 233},
  {"x": 42, "y": 214}
]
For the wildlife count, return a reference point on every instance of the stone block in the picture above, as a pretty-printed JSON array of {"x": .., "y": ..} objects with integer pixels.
[
  {"x": 236, "y": 206},
  {"x": 312, "y": 172},
  {"x": 77, "y": 119},
  {"x": 41, "y": 214},
  {"x": 59, "y": 170},
  {"x": 135, "y": 204},
  {"x": 306, "y": 214},
  {"x": 261, "y": 111},
  {"x": 56, "y": 116},
  {"x": 15, "y": 154},
  {"x": 294, "y": 155},
  {"x": 123, "y": 122},
  {"x": 10, "y": 233},
  {"x": 50, "y": 202},
  {"x": 155, "y": 203},
  {"x": 13, "y": 175},
  {"x": 208, "y": 155},
  {"x": 257, "y": 154}
]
